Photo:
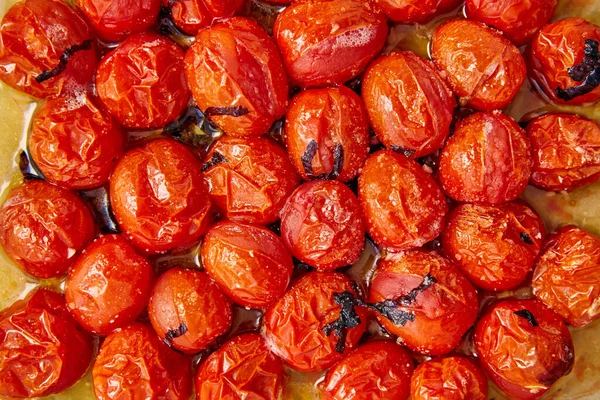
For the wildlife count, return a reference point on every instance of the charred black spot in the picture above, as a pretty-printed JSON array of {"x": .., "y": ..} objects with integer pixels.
[
  {"x": 389, "y": 309},
  {"x": 307, "y": 157},
  {"x": 174, "y": 333},
  {"x": 99, "y": 202},
  {"x": 526, "y": 238},
  {"x": 528, "y": 316},
  {"x": 309, "y": 154},
  {"x": 216, "y": 158},
  {"x": 63, "y": 60},
  {"x": 338, "y": 161},
  {"x": 230, "y": 111},
  {"x": 410, "y": 298},
  {"x": 28, "y": 169},
  {"x": 587, "y": 72},
  {"x": 348, "y": 319},
  {"x": 408, "y": 153}
]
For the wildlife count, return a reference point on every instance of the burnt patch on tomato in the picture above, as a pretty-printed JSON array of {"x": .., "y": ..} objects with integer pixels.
[
  {"x": 348, "y": 319},
  {"x": 526, "y": 314},
  {"x": 587, "y": 72},
  {"x": 408, "y": 153},
  {"x": 238, "y": 111},
  {"x": 311, "y": 152},
  {"x": 526, "y": 238},
  {"x": 217, "y": 158},
  {"x": 175, "y": 333},
  {"x": 63, "y": 60}
]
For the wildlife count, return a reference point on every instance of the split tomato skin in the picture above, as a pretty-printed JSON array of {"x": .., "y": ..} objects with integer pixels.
[
  {"x": 193, "y": 15},
  {"x": 415, "y": 11}
]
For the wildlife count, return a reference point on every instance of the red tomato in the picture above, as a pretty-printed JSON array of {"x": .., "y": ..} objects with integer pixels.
[
  {"x": 323, "y": 226},
  {"x": 134, "y": 364},
  {"x": 524, "y": 347},
  {"x": 327, "y": 42},
  {"x": 325, "y": 128},
  {"x": 414, "y": 115},
  {"x": 415, "y": 11},
  {"x": 43, "y": 227},
  {"x": 403, "y": 205},
  {"x": 236, "y": 64},
  {"x": 192, "y": 15},
  {"x": 488, "y": 160},
  {"x": 481, "y": 66},
  {"x": 159, "y": 196}
]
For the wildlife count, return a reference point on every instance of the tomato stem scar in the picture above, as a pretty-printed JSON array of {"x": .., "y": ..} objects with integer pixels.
[{"x": 63, "y": 60}]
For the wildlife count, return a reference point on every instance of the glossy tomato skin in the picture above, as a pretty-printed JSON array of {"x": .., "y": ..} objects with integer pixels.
[
  {"x": 192, "y": 15},
  {"x": 421, "y": 106},
  {"x": 522, "y": 359},
  {"x": 403, "y": 205},
  {"x": 466, "y": 51},
  {"x": 243, "y": 367},
  {"x": 159, "y": 196},
  {"x": 330, "y": 117},
  {"x": 316, "y": 55},
  {"x": 487, "y": 161},
  {"x": 44, "y": 227},
  {"x": 565, "y": 151},
  {"x": 148, "y": 99},
  {"x": 236, "y": 64},
  {"x": 415, "y": 11}
]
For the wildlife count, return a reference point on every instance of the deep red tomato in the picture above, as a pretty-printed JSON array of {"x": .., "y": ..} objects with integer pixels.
[
  {"x": 416, "y": 11},
  {"x": 192, "y": 15}
]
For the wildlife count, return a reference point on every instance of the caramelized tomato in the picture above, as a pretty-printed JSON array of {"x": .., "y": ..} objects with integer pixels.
[
  {"x": 415, "y": 11},
  {"x": 192, "y": 15}
]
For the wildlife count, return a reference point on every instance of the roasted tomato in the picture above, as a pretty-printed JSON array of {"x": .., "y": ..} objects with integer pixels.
[
  {"x": 249, "y": 263},
  {"x": 488, "y": 160},
  {"x": 142, "y": 82},
  {"x": 188, "y": 310},
  {"x": 403, "y": 205},
  {"x": 307, "y": 328},
  {"x": 566, "y": 151},
  {"x": 567, "y": 277},
  {"x": 409, "y": 105},
  {"x": 495, "y": 246},
  {"x": 192, "y": 15},
  {"x": 327, "y": 133},
  {"x": 325, "y": 42},
  {"x": 243, "y": 368},
  {"x": 44, "y": 227},
  {"x": 524, "y": 347},
  {"x": 159, "y": 196},
  {"x": 415, "y": 11},
  {"x": 481, "y": 66},
  {"x": 377, "y": 370},
  {"x": 42, "y": 350},
  {"x": 433, "y": 303},
  {"x": 237, "y": 77},
  {"x": 134, "y": 364},
  {"x": 249, "y": 179},
  {"x": 74, "y": 143}
]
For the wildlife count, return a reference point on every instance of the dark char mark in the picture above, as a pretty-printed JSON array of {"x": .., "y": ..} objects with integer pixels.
[
  {"x": 528, "y": 316},
  {"x": 63, "y": 60},
  {"x": 216, "y": 158},
  {"x": 526, "y": 238},
  {"x": 174, "y": 333},
  {"x": 311, "y": 152},
  {"x": 588, "y": 72}
]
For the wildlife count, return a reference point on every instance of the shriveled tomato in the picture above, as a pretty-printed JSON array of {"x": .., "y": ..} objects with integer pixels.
[
  {"x": 488, "y": 160},
  {"x": 414, "y": 115},
  {"x": 524, "y": 347},
  {"x": 236, "y": 75},
  {"x": 325, "y": 42},
  {"x": 327, "y": 133},
  {"x": 481, "y": 66},
  {"x": 192, "y": 15},
  {"x": 159, "y": 196},
  {"x": 415, "y": 11},
  {"x": 403, "y": 205}
]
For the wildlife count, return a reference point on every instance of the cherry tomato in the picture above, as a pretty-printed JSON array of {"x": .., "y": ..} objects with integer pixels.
[
  {"x": 142, "y": 82},
  {"x": 326, "y": 42},
  {"x": 159, "y": 196},
  {"x": 566, "y": 276},
  {"x": 404, "y": 206},
  {"x": 488, "y": 160},
  {"x": 243, "y": 368},
  {"x": 133, "y": 363},
  {"x": 414, "y": 115},
  {"x": 249, "y": 263},
  {"x": 524, "y": 347},
  {"x": 415, "y": 11},
  {"x": 192, "y": 15},
  {"x": 327, "y": 133},
  {"x": 236, "y": 65},
  {"x": 495, "y": 246},
  {"x": 44, "y": 227},
  {"x": 481, "y": 66},
  {"x": 249, "y": 179}
]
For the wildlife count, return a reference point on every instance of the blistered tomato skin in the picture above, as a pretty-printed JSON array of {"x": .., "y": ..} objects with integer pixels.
[
  {"x": 159, "y": 196},
  {"x": 44, "y": 227},
  {"x": 409, "y": 105},
  {"x": 524, "y": 347},
  {"x": 236, "y": 64},
  {"x": 487, "y": 160},
  {"x": 326, "y": 42},
  {"x": 415, "y": 11},
  {"x": 192, "y": 15},
  {"x": 248, "y": 262},
  {"x": 481, "y": 66},
  {"x": 331, "y": 117}
]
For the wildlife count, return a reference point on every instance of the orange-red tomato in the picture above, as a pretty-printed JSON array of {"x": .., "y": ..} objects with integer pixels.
[
  {"x": 488, "y": 160},
  {"x": 242, "y": 368},
  {"x": 42, "y": 350},
  {"x": 481, "y": 66},
  {"x": 403, "y": 205},
  {"x": 523, "y": 347},
  {"x": 133, "y": 363},
  {"x": 327, "y": 133},
  {"x": 409, "y": 105},
  {"x": 43, "y": 227},
  {"x": 324, "y": 42},
  {"x": 192, "y": 15},
  {"x": 159, "y": 196},
  {"x": 236, "y": 64},
  {"x": 416, "y": 11},
  {"x": 567, "y": 277}
]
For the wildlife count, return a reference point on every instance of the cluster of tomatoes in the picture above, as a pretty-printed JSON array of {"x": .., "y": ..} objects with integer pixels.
[{"x": 436, "y": 187}]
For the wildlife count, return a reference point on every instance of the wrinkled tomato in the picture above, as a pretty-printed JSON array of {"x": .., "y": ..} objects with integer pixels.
[
  {"x": 192, "y": 15},
  {"x": 415, "y": 11}
]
